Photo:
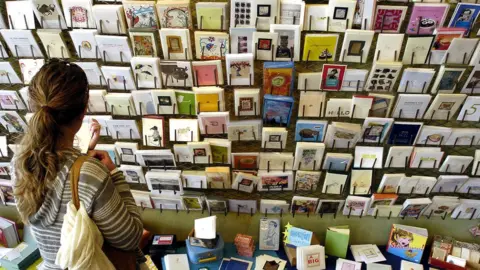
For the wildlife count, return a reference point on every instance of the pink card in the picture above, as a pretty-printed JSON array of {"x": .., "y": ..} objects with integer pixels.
[
  {"x": 205, "y": 75},
  {"x": 213, "y": 124},
  {"x": 426, "y": 18}
]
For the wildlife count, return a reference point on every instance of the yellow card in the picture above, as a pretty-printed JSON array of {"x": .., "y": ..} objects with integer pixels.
[
  {"x": 321, "y": 47},
  {"x": 212, "y": 17}
]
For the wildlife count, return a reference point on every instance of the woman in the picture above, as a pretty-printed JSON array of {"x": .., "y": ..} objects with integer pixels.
[{"x": 58, "y": 94}]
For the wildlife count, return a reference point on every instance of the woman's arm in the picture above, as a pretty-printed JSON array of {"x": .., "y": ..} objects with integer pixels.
[{"x": 114, "y": 210}]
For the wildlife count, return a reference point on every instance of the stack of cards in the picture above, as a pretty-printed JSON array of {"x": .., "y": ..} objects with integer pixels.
[{"x": 245, "y": 245}]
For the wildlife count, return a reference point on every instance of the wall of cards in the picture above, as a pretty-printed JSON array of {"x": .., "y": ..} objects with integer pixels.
[{"x": 338, "y": 110}]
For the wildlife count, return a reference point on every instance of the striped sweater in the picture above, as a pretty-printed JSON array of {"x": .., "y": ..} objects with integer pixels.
[{"x": 107, "y": 199}]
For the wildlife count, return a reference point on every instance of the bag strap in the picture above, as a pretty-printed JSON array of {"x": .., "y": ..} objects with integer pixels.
[{"x": 74, "y": 178}]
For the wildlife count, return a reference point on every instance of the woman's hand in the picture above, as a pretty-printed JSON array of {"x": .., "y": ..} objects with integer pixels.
[
  {"x": 103, "y": 157},
  {"x": 95, "y": 128}
]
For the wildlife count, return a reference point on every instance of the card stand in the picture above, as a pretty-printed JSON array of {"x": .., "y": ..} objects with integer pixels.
[
  {"x": 391, "y": 159},
  {"x": 59, "y": 18},
  {"x": 31, "y": 51},
  {"x": 1, "y": 52},
  {"x": 191, "y": 136},
  {"x": 208, "y": 163},
  {"x": 61, "y": 49},
  {"x": 24, "y": 19},
  {"x": 368, "y": 193},
  {"x": 238, "y": 211},
  {"x": 314, "y": 166},
  {"x": 311, "y": 189},
  {"x": 379, "y": 51},
  {"x": 420, "y": 165},
  {"x": 201, "y": 23},
  {"x": 415, "y": 217},
  {"x": 135, "y": 160},
  {"x": 168, "y": 52},
  {"x": 471, "y": 141},
  {"x": 4, "y": 156},
  {"x": 139, "y": 88},
  {"x": 265, "y": 148},
  {"x": 373, "y": 165},
  {"x": 131, "y": 136},
  {"x": 230, "y": 80},
  {"x": 454, "y": 190},
  {"x": 254, "y": 109},
  {"x": 121, "y": 57},
  {"x": 476, "y": 172},
  {"x": 10, "y": 84},
  {"x": 446, "y": 119},
  {"x": 460, "y": 172},
  {"x": 7, "y": 129},
  {"x": 340, "y": 193},
  {"x": 214, "y": 73},
  {"x": 333, "y": 145},
  {"x": 71, "y": 19},
  {"x": 416, "y": 115},
  {"x": 379, "y": 136},
  {"x": 334, "y": 213},
  {"x": 118, "y": 27},
  {"x": 223, "y": 130},
  {"x": 350, "y": 211},
  {"x": 383, "y": 22},
  {"x": 164, "y": 169}
]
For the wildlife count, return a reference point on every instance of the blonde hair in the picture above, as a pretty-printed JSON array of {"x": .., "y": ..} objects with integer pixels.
[{"x": 58, "y": 94}]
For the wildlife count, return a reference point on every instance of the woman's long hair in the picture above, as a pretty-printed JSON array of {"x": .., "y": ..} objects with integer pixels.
[{"x": 58, "y": 95}]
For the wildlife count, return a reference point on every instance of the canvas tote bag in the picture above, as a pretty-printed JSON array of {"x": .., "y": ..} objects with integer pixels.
[{"x": 81, "y": 240}]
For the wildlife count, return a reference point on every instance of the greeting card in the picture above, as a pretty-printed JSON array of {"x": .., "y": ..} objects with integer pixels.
[
  {"x": 120, "y": 78},
  {"x": 49, "y": 14},
  {"x": 417, "y": 50},
  {"x": 165, "y": 101},
  {"x": 425, "y": 18},
  {"x": 114, "y": 49},
  {"x": 110, "y": 19},
  {"x": 316, "y": 17},
  {"x": 85, "y": 43},
  {"x": 211, "y": 45},
  {"x": 147, "y": 72},
  {"x": 388, "y": 47},
  {"x": 53, "y": 43},
  {"x": 447, "y": 79},
  {"x": 340, "y": 15},
  {"x": 312, "y": 104},
  {"x": 247, "y": 102},
  {"x": 240, "y": 69},
  {"x": 143, "y": 102},
  {"x": 277, "y": 109},
  {"x": 332, "y": 77},
  {"x": 288, "y": 46},
  {"x": 211, "y": 15},
  {"x": 320, "y": 47},
  {"x": 78, "y": 13},
  {"x": 389, "y": 18},
  {"x": 264, "y": 45},
  {"x": 278, "y": 78},
  {"x": 207, "y": 72},
  {"x": 21, "y": 43},
  {"x": 176, "y": 43},
  {"x": 20, "y": 14},
  {"x": 213, "y": 122},
  {"x": 144, "y": 43},
  {"x": 174, "y": 14},
  {"x": 140, "y": 14},
  {"x": 266, "y": 12},
  {"x": 241, "y": 38},
  {"x": 356, "y": 45},
  {"x": 383, "y": 76},
  {"x": 177, "y": 73},
  {"x": 30, "y": 67},
  {"x": 464, "y": 16}
]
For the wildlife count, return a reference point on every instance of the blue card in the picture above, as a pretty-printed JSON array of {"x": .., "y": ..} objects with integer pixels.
[{"x": 277, "y": 110}]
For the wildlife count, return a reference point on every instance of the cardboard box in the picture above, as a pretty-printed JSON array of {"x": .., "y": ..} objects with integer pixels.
[{"x": 292, "y": 251}]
